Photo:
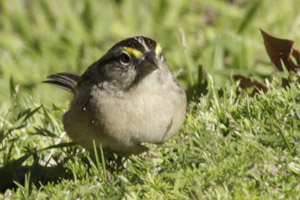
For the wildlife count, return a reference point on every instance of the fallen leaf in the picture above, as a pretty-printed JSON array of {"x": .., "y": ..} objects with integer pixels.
[
  {"x": 281, "y": 50},
  {"x": 249, "y": 82}
]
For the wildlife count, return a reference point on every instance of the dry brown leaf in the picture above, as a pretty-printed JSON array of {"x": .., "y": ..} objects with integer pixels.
[
  {"x": 281, "y": 50},
  {"x": 249, "y": 82}
]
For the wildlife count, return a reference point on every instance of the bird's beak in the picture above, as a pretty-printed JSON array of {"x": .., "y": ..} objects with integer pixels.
[{"x": 152, "y": 61}]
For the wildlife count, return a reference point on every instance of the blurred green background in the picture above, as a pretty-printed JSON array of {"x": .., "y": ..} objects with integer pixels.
[{"x": 38, "y": 38}]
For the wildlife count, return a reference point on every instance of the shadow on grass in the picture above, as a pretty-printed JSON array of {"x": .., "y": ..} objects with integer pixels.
[
  {"x": 14, "y": 172},
  {"x": 39, "y": 175}
]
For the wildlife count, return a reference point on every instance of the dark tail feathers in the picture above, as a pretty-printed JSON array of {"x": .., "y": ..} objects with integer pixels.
[{"x": 66, "y": 81}]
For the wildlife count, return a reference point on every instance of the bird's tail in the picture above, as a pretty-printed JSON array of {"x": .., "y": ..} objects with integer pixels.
[{"x": 66, "y": 81}]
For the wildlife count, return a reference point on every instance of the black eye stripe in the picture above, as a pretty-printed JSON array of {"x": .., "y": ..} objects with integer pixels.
[
  {"x": 139, "y": 43},
  {"x": 103, "y": 62}
]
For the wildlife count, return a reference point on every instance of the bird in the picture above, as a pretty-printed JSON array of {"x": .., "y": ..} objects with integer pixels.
[{"x": 124, "y": 100}]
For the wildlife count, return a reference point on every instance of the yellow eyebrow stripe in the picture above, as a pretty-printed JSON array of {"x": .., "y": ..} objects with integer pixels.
[
  {"x": 133, "y": 52},
  {"x": 158, "y": 49}
]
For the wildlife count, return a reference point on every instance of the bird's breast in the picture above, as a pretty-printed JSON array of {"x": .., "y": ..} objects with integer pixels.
[{"x": 152, "y": 115}]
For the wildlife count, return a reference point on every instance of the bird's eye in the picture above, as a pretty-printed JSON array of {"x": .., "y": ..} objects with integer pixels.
[{"x": 125, "y": 58}]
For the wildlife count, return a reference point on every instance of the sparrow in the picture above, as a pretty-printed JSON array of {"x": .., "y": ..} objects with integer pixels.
[{"x": 127, "y": 98}]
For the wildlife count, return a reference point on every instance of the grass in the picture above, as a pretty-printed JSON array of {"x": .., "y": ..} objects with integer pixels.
[{"x": 233, "y": 145}]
